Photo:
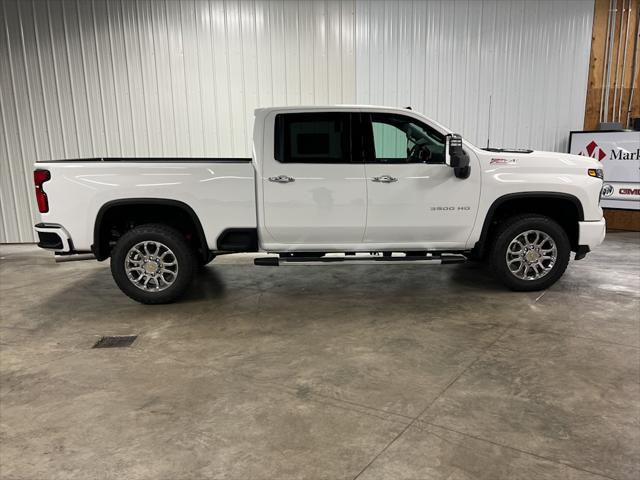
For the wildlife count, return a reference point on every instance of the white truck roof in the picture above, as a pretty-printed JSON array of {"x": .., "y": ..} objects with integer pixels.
[
  {"x": 263, "y": 112},
  {"x": 332, "y": 107}
]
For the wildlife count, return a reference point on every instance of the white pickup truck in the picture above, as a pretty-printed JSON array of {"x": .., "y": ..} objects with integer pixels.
[{"x": 326, "y": 185}]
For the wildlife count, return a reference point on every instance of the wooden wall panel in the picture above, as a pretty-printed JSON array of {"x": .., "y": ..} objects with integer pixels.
[
  {"x": 616, "y": 219},
  {"x": 622, "y": 219},
  {"x": 597, "y": 66}
]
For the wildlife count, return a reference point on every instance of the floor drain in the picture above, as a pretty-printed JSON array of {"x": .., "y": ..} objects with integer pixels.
[{"x": 114, "y": 342}]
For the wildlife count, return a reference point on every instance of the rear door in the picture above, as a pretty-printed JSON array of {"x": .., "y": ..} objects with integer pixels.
[{"x": 313, "y": 187}]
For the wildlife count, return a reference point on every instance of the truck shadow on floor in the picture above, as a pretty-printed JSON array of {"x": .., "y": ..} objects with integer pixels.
[
  {"x": 281, "y": 298},
  {"x": 218, "y": 281},
  {"x": 222, "y": 283}
]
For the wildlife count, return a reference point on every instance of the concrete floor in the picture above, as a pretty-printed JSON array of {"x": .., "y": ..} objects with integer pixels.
[{"x": 368, "y": 372}]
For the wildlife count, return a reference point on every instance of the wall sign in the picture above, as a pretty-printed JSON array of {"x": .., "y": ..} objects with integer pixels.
[{"x": 619, "y": 153}]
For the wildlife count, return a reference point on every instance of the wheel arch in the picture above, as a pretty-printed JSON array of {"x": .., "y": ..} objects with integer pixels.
[
  {"x": 565, "y": 208},
  {"x": 174, "y": 213}
]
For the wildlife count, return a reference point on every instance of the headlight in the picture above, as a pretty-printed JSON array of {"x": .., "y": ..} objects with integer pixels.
[{"x": 596, "y": 172}]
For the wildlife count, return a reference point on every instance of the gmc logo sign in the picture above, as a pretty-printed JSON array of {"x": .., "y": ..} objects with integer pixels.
[{"x": 629, "y": 191}]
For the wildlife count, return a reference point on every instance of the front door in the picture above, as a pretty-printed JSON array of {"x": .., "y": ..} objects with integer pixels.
[
  {"x": 414, "y": 198},
  {"x": 314, "y": 192}
]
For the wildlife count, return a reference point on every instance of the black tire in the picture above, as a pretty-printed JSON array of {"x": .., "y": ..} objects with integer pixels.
[
  {"x": 508, "y": 231},
  {"x": 169, "y": 237}
]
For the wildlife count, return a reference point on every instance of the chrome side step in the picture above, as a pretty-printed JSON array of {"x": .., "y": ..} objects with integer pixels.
[
  {"x": 74, "y": 257},
  {"x": 359, "y": 260}
]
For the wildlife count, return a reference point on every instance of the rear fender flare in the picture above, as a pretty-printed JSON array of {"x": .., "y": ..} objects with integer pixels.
[{"x": 101, "y": 251}]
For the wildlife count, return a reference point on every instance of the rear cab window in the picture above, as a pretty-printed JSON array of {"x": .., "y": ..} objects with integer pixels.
[{"x": 314, "y": 137}]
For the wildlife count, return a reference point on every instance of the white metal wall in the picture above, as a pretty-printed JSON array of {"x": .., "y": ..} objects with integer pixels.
[
  {"x": 446, "y": 59},
  {"x": 84, "y": 78}
]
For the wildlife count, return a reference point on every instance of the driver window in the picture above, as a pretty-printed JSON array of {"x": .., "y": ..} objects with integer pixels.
[
  {"x": 400, "y": 139},
  {"x": 390, "y": 143}
]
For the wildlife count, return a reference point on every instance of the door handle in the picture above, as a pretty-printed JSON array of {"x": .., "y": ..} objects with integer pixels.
[
  {"x": 282, "y": 179},
  {"x": 384, "y": 179}
]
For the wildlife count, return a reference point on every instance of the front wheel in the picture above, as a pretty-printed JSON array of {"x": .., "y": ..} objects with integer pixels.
[
  {"x": 530, "y": 252},
  {"x": 153, "y": 264}
]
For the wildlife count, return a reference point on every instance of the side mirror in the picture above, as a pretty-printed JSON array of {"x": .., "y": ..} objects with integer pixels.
[{"x": 455, "y": 156}]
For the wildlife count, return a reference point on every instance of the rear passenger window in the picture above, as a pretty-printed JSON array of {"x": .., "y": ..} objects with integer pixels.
[{"x": 312, "y": 138}]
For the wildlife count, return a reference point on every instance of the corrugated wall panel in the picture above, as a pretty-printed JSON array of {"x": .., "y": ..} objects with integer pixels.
[
  {"x": 447, "y": 58},
  {"x": 83, "y": 78}
]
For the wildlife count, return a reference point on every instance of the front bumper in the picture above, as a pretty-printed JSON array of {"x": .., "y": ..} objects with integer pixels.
[
  {"x": 591, "y": 234},
  {"x": 52, "y": 236}
]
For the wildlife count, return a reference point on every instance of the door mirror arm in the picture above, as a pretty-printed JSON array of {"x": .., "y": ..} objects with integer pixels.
[{"x": 455, "y": 156}]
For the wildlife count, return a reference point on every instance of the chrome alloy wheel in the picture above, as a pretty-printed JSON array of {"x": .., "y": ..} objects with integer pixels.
[
  {"x": 151, "y": 266},
  {"x": 531, "y": 255}
]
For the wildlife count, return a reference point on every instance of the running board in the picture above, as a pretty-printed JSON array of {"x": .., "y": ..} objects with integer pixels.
[
  {"x": 359, "y": 260},
  {"x": 73, "y": 257}
]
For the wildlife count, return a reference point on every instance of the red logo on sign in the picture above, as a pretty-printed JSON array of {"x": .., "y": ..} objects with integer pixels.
[{"x": 594, "y": 151}]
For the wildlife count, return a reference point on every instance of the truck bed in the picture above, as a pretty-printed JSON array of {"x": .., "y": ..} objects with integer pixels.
[{"x": 220, "y": 191}]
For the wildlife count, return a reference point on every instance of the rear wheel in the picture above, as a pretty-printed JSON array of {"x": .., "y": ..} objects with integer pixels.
[
  {"x": 530, "y": 252},
  {"x": 153, "y": 264}
]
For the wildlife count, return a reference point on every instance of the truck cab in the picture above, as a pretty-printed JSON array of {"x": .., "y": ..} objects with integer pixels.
[
  {"x": 359, "y": 179},
  {"x": 326, "y": 185}
]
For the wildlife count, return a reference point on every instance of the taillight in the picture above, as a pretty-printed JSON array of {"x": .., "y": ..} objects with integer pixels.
[{"x": 39, "y": 177}]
